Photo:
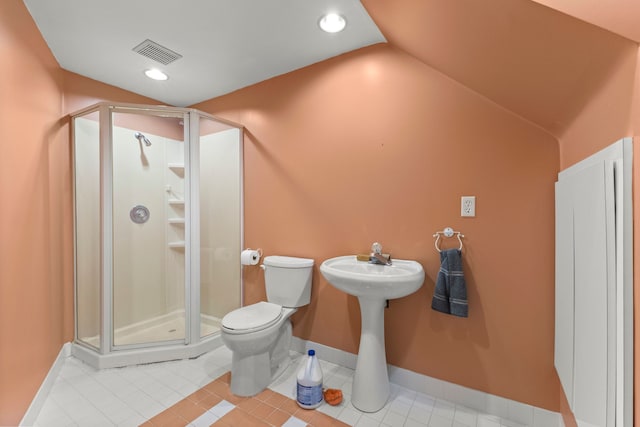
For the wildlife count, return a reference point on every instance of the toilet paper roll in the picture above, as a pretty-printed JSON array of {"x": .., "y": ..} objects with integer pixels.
[{"x": 249, "y": 257}]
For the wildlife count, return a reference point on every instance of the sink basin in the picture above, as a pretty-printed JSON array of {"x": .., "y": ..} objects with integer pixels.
[
  {"x": 373, "y": 284},
  {"x": 361, "y": 279}
]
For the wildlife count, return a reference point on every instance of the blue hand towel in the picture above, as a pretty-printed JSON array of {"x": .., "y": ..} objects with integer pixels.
[{"x": 450, "y": 295}]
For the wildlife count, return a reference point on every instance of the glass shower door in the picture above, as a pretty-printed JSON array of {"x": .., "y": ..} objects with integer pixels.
[
  {"x": 148, "y": 221},
  {"x": 220, "y": 199},
  {"x": 88, "y": 253}
]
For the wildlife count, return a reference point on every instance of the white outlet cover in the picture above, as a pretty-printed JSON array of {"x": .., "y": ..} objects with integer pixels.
[{"x": 468, "y": 206}]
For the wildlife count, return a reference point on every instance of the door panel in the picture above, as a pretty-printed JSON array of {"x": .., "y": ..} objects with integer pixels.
[
  {"x": 590, "y": 275},
  {"x": 564, "y": 351},
  {"x": 594, "y": 340},
  {"x": 148, "y": 272}
]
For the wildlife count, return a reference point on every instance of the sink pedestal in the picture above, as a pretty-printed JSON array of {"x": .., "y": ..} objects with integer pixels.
[
  {"x": 371, "y": 380},
  {"x": 373, "y": 284}
]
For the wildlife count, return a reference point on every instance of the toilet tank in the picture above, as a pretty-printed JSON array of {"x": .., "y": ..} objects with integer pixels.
[{"x": 288, "y": 280}]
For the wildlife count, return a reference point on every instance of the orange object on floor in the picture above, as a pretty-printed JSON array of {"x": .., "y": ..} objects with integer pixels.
[{"x": 332, "y": 396}]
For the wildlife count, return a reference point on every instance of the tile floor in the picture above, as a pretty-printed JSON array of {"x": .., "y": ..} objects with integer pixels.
[
  {"x": 215, "y": 405},
  {"x": 132, "y": 396}
]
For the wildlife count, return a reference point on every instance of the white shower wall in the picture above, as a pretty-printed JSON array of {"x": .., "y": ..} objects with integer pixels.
[{"x": 148, "y": 277}]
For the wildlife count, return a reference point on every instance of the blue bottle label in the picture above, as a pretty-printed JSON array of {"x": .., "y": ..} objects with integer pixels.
[{"x": 309, "y": 395}]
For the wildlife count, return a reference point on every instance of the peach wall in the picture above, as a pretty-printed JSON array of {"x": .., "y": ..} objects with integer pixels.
[
  {"x": 635, "y": 131},
  {"x": 605, "y": 118},
  {"x": 81, "y": 92},
  {"x": 36, "y": 255},
  {"x": 612, "y": 113},
  {"x": 618, "y": 16},
  {"x": 330, "y": 145},
  {"x": 530, "y": 59},
  {"x": 565, "y": 410},
  {"x": 34, "y": 216},
  {"x": 635, "y": 103},
  {"x": 376, "y": 146}
]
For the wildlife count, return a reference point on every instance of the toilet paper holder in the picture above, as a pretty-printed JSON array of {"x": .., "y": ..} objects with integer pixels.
[{"x": 250, "y": 256}]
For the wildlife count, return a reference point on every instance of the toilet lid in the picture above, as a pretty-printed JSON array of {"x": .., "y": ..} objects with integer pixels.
[{"x": 252, "y": 317}]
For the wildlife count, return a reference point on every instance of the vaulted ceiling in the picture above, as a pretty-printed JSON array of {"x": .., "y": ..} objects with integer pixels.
[
  {"x": 618, "y": 16},
  {"x": 542, "y": 60},
  {"x": 533, "y": 60}
]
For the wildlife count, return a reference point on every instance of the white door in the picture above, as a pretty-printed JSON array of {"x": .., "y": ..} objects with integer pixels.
[{"x": 593, "y": 247}]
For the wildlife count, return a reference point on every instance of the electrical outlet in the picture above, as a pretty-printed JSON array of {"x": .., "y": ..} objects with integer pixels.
[{"x": 468, "y": 206}]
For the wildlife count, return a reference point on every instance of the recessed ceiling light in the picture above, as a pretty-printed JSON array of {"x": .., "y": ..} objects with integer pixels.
[
  {"x": 332, "y": 23},
  {"x": 156, "y": 74}
]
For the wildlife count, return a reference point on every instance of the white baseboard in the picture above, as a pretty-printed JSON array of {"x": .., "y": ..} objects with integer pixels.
[
  {"x": 521, "y": 413},
  {"x": 45, "y": 388}
]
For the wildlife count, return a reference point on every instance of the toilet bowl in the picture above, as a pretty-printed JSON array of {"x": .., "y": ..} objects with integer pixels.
[{"x": 259, "y": 335}]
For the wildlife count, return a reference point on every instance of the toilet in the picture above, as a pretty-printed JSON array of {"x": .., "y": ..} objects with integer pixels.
[{"x": 259, "y": 335}]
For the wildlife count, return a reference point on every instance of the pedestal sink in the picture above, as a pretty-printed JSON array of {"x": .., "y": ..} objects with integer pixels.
[{"x": 373, "y": 284}]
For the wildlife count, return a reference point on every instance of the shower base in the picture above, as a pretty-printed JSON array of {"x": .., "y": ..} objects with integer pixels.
[
  {"x": 166, "y": 330},
  {"x": 169, "y": 328}
]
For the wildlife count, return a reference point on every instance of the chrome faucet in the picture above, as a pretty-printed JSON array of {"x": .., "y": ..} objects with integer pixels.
[{"x": 377, "y": 257}]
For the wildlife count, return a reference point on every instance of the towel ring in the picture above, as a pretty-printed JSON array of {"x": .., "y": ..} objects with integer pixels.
[{"x": 447, "y": 232}]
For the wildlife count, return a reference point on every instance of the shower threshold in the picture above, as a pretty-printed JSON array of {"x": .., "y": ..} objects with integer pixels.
[{"x": 166, "y": 330}]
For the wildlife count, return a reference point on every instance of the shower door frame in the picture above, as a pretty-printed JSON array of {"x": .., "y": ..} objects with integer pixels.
[
  {"x": 107, "y": 237},
  {"x": 110, "y": 355}
]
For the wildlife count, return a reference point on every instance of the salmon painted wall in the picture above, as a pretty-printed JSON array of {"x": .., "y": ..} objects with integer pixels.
[
  {"x": 618, "y": 16},
  {"x": 34, "y": 191},
  {"x": 612, "y": 113},
  {"x": 376, "y": 146},
  {"x": 36, "y": 253},
  {"x": 635, "y": 131},
  {"x": 372, "y": 145},
  {"x": 606, "y": 117},
  {"x": 81, "y": 92}
]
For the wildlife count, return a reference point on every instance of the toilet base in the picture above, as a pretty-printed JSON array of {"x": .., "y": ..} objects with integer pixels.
[{"x": 252, "y": 373}]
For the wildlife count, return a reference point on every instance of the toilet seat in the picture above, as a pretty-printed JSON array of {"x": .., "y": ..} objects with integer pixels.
[{"x": 252, "y": 318}]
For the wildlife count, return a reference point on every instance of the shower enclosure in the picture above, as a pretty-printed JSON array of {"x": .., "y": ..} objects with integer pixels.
[{"x": 158, "y": 232}]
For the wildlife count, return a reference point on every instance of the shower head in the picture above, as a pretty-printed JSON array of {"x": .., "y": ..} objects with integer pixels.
[{"x": 140, "y": 137}]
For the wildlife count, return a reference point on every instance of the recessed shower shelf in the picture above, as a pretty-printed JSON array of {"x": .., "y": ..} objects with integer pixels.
[
  {"x": 177, "y": 245},
  {"x": 179, "y": 221},
  {"x": 176, "y": 202},
  {"x": 177, "y": 168}
]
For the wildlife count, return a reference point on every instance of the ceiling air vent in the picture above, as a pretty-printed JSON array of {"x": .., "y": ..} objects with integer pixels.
[{"x": 157, "y": 52}]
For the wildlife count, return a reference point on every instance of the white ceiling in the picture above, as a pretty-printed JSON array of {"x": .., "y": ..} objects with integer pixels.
[{"x": 225, "y": 44}]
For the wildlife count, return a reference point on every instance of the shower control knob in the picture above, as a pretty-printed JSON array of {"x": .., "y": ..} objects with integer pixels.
[{"x": 139, "y": 214}]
